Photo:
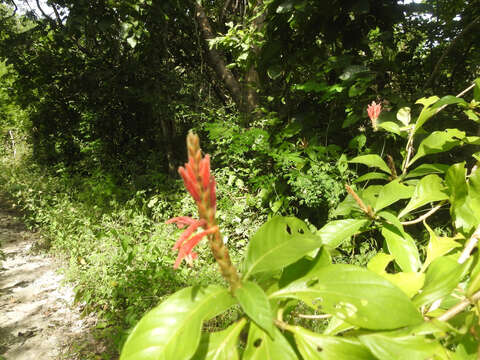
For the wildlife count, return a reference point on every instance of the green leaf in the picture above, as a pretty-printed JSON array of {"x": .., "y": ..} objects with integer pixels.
[
  {"x": 172, "y": 329},
  {"x": 442, "y": 277},
  {"x": 371, "y": 176},
  {"x": 448, "y": 100},
  {"x": 426, "y": 169},
  {"x": 260, "y": 346},
  {"x": 278, "y": 243},
  {"x": 390, "y": 126},
  {"x": 132, "y": 42},
  {"x": 372, "y": 160},
  {"x": 409, "y": 282},
  {"x": 391, "y": 193},
  {"x": 314, "y": 346},
  {"x": 426, "y": 113},
  {"x": 438, "y": 247},
  {"x": 222, "y": 345},
  {"x": 254, "y": 302},
  {"x": 438, "y": 141},
  {"x": 356, "y": 295},
  {"x": 429, "y": 189},
  {"x": 335, "y": 232},
  {"x": 463, "y": 206},
  {"x": 387, "y": 346},
  {"x": 401, "y": 245},
  {"x": 304, "y": 266},
  {"x": 472, "y": 115}
]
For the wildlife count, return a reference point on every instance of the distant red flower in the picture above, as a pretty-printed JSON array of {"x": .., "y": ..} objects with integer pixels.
[
  {"x": 374, "y": 111},
  {"x": 200, "y": 183}
]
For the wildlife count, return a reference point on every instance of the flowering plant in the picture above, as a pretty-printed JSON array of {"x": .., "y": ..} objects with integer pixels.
[{"x": 425, "y": 307}]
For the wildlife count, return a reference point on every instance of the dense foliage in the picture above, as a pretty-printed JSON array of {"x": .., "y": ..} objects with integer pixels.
[{"x": 96, "y": 98}]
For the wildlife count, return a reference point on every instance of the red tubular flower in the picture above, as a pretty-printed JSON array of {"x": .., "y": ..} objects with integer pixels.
[
  {"x": 374, "y": 111},
  {"x": 201, "y": 184}
]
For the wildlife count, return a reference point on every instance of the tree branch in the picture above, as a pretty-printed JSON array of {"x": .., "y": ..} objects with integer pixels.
[{"x": 469, "y": 246}]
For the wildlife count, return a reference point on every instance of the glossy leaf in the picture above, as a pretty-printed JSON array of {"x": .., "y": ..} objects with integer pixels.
[
  {"x": 372, "y": 160},
  {"x": 403, "y": 248},
  {"x": 448, "y": 100},
  {"x": 260, "y": 346},
  {"x": 438, "y": 141},
  {"x": 426, "y": 113},
  {"x": 429, "y": 189},
  {"x": 372, "y": 176},
  {"x": 426, "y": 169},
  {"x": 463, "y": 206},
  {"x": 304, "y": 266},
  {"x": 387, "y": 346},
  {"x": 356, "y": 295},
  {"x": 278, "y": 243},
  {"x": 323, "y": 347},
  {"x": 172, "y": 329},
  {"x": 390, "y": 126},
  {"x": 391, "y": 193},
  {"x": 442, "y": 277},
  {"x": 254, "y": 302},
  {"x": 222, "y": 345},
  {"x": 337, "y": 231}
]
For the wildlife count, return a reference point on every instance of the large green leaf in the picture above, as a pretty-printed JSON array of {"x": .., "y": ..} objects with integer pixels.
[
  {"x": 337, "y": 231},
  {"x": 260, "y": 346},
  {"x": 304, "y": 266},
  {"x": 387, "y": 346},
  {"x": 438, "y": 141},
  {"x": 278, "y": 243},
  {"x": 426, "y": 169},
  {"x": 448, "y": 100},
  {"x": 429, "y": 189},
  {"x": 254, "y": 302},
  {"x": 356, "y": 295},
  {"x": 391, "y": 193},
  {"x": 172, "y": 329},
  {"x": 372, "y": 160},
  {"x": 474, "y": 191},
  {"x": 314, "y": 346},
  {"x": 427, "y": 111},
  {"x": 463, "y": 208},
  {"x": 443, "y": 275},
  {"x": 222, "y": 345},
  {"x": 403, "y": 248}
]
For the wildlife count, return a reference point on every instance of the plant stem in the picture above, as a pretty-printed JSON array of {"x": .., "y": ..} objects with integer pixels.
[
  {"x": 469, "y": 246},
  {"x": 462, "y": 305},
  {"x": 426, "y": 215}
]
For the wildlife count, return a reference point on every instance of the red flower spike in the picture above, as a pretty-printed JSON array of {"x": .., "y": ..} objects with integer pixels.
[
  {"x": 374, "y": 111},
  {"x": 190, "y": 184}
]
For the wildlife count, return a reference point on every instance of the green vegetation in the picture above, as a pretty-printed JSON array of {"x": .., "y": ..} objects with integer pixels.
[{"x": 97, "y": 97}]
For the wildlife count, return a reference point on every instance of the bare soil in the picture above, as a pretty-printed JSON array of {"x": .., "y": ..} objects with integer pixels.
[{"x": 38, "y": 320}]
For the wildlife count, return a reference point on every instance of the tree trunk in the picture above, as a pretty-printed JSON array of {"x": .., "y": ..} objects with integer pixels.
[{"x": 217, "y": 62}]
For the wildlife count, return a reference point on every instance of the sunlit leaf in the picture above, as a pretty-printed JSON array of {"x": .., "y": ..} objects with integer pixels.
[
  {"x": 356, "y": 295},
  {"x": 438, "y": 141},
  {"x": 372, "y": 160},
  {"x": 391, "y": 193},
  {"x": 337, "y": 231},
  {"x": 438, "y": 247},
  {"x": 278, "y": 243},
  {"x": 260, "y": 346},
  {"x": 429, "y": 189},
  {"x": 222, "y": 345},
  {"x": 403, "y": 248},
  {"x": 172, "y": 329},
  {"x": 323, "y": 347},
  {"x": 254, "y": 302}
]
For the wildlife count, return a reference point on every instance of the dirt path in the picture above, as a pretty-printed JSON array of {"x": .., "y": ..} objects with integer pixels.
[{"x": 37, "y": 320}]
